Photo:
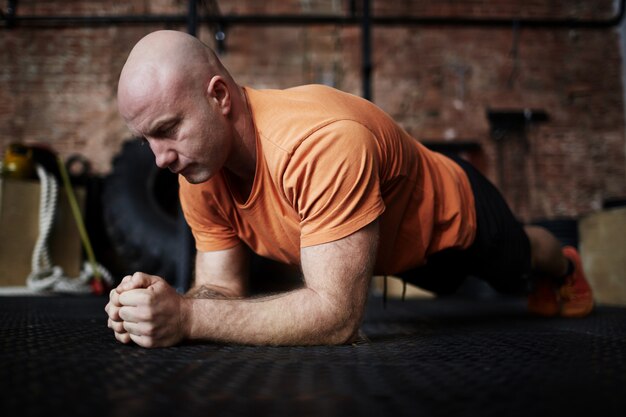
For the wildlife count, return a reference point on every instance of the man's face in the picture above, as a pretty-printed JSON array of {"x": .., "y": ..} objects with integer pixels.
[{"x": 185, "y": 130}]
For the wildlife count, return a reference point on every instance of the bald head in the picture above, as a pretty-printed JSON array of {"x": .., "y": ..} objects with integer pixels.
[{"x": 162, "y": 61}]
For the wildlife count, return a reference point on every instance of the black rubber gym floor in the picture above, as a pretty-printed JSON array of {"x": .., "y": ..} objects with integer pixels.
[{"x": 442, "y": 357}]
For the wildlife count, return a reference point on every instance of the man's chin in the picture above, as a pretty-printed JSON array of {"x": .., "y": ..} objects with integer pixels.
[{"x": 195, "y": 179}]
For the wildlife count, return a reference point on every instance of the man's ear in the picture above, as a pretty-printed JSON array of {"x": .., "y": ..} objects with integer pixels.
[{"x": 218, "y": 90}]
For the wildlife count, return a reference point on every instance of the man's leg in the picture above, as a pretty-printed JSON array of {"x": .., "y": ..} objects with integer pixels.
[
  {"x": 545, "y": 251},
  {"x": 560, "y": 285},
  {"x": 506, "y": 254}
]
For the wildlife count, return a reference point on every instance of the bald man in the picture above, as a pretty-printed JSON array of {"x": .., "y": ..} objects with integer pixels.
[{"x": 317, "y": 178}]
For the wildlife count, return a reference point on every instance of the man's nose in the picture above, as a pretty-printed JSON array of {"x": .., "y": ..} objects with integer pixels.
[{"x": 164, "y": 156}]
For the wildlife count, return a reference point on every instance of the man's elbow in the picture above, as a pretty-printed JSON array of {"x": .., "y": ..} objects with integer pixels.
[
  {"x": 343, "y": 331},
  {"x": 347, "y": 336},
  {"x": 340, "y": 322}
]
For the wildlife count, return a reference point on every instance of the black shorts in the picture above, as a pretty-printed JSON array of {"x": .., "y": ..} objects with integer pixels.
[{"x": 500, "y": 253}]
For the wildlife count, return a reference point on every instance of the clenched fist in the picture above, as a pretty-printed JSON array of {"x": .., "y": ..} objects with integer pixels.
[{"x": 145, "y": 309}]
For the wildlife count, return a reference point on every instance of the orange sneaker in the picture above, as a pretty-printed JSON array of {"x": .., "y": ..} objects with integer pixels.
[
  {"x": 543, "y": 300},
  {"x": 575, "y": 293}
]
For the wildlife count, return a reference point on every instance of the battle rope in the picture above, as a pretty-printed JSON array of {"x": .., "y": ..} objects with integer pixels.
[{"x": 45, "y": 276}]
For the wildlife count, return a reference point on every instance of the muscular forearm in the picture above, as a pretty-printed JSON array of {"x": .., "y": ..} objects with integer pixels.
[
  {"x": 327, "y": 311},
  {"x": 301, "y": 317}
]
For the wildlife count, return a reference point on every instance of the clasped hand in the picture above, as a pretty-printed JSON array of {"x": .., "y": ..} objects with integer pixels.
[{"x": 146, "y": 310}]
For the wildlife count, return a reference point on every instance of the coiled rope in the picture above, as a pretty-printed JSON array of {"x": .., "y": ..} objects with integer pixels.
[{"x": 44, "y": 275}]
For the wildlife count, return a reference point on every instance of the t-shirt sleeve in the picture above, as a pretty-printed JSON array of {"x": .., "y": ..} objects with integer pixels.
[
  {"x": 332, "y": 182},
  {"x": 209, "y": 226}
]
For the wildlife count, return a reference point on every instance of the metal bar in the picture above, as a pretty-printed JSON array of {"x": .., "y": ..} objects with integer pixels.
[
  {"x": 63, "y": 21},
  {"x": 192, "y": 18},
  {"x": 10, "y": 13},
  {"x": 366, "y": 50},
  {"x": 294, "y": 20},
  {"x": 500, "y": 22}
]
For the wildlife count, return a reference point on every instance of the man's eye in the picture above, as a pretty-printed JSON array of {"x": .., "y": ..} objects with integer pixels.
[{"x": 165, "y": 132}]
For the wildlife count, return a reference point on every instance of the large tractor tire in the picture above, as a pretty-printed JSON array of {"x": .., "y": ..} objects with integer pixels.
[{"x": 142, "y": 214}]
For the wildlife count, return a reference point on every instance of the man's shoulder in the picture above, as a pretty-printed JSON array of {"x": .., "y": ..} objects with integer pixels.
[{"x": 286, "y": 117}]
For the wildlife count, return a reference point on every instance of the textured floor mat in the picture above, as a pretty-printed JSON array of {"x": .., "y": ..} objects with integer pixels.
[{"x": 445, "y": 357}]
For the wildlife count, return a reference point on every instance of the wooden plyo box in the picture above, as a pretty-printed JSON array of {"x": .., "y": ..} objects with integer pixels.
[
  {"x": 603, "y": 253},
  {"x": 19, "y": 229}
]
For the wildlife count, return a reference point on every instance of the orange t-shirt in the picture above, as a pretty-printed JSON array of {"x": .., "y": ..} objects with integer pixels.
[{"x": 328, "y": 164}]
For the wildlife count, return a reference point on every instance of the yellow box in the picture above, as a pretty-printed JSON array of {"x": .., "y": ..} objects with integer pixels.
[
  {"x": 603, "y": 253},
  {"x": 19, "y": 229}
]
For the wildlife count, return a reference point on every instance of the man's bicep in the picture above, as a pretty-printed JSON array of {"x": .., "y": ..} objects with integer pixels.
[
  {"x": 341, "y": 271},
  {"x": 226, "y": 270}
]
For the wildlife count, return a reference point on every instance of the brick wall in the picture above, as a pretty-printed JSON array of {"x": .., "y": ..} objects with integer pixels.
[{"x": 57, "y": 85}]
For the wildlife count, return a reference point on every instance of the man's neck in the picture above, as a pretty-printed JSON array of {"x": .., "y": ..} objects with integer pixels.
[{"x": 241, "y": 168}]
